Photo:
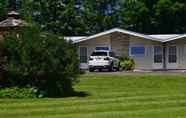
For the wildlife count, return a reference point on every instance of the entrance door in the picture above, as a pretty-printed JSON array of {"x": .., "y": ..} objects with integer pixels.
[
  {"x": 172, "y": 57},
  {"x": 83, "y": 57},
  {"x": 157, "y": 57}
]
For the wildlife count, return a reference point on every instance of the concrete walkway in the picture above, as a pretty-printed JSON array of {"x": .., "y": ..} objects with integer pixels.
[{"x": 169, "y": 72}]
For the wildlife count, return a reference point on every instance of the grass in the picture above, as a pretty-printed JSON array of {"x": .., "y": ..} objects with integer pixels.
[{"x": 109, "y": 96}]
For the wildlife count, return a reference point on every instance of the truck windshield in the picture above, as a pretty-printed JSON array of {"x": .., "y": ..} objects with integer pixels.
[{"x": 99, "y": 54}]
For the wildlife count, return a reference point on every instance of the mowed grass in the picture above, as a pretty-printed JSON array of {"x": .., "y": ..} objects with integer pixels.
[{"x": 109, "y": 96}]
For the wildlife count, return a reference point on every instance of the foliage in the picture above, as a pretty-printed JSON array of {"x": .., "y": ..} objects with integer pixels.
[
  {"x": 3, "y": 9},
  {"x": 85, "y": 17},
  {"x": 127, "y": 63},
  {"x": 16, "y": 92},
  {"x": 155, "y": 16},
  {"x": 44, "y": 61}
]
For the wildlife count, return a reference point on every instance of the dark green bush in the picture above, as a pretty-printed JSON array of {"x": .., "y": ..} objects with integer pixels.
[
  {"x": 44, "y": 61},
  {"x": 127, "y": 63},
  {"x": 16, "y": 92}
]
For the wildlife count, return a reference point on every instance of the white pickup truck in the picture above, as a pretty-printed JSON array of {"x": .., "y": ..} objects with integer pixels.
[{"x": 103, "y": 59}]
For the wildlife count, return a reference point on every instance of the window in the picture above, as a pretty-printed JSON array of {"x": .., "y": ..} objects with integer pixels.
[
  {"x": 112, "y": 54},
  {"x": 102, "y": 48},
  {"x": 172, "y": 54},
  {"x": 158, "y": 54},
  {"x": 137, "y": 50},
  {"x": 99, "y": 54},
  {"x": 83, "y": 54}
]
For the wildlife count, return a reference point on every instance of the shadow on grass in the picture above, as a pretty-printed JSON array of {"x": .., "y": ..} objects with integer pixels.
[
  {"x": 74, "y": 94},
  {"x": 80, "y": 94}
]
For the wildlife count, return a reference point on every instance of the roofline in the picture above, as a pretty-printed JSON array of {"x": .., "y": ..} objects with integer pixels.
[
  {"x": 132, "y": 33},
  {"x": 177, "y": 37},
  {"x": 121, "y": 31}
]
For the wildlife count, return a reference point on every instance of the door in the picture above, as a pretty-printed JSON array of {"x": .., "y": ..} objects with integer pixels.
[
  {"x": 83, "y": 57},
  {"x": 157, "y": 57},
  {"x": 172, "y": 57}
]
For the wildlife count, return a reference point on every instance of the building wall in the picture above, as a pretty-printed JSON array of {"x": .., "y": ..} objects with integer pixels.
[
  {"x": 120, "y": 44},
  {"x": 1, "y": 38},
  {"x": 93, "y": 43},
  {"x": 91, "y": 46},
  {"x": 143, "y": 61},
  {"x": 181, "y": 51}
]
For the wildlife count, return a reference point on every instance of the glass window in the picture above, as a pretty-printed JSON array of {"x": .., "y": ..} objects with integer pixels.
[
  {"x": 137, "y": 50},
  {"x": 158, "y": 54},
  {"x": 102, "y": 48},
  {"x": 112, "y": 54},
  {"x": 83, "y": 55},
  {"x": 172, "y": 54},
  {"x": 99, "y": 54}
]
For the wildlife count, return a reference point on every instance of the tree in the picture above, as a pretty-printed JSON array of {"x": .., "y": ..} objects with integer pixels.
[
  {"x": 137, "y": 16},
  {"x": 59, "y": 17},
  {"x": 86, "y": 17},
  {"x": 3, "y": 9},
  {"x": 170, "y": 16},
  {"x": 44, "y": 61},
  {"x": 103, "y": 15}
]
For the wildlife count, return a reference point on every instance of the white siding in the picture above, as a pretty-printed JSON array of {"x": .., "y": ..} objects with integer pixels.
[
  {"x": 181, "y": 57},
  {"x": 144, "y": 61},
  {"x": 92, "y": 44}
]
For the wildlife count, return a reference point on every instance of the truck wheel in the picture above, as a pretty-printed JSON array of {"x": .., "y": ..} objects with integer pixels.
[
  {"x": 118, "y": 68},
  {"x": 91, "y": 70},
  {"x": 110, "y": 68}
]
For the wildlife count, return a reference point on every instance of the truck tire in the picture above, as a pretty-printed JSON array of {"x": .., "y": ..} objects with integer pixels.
[
  {"x": 110, "y": 69},
  {"x": 91, "y": 70}
]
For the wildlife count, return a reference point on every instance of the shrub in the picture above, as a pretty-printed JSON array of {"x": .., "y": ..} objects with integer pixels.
[
  {"x": 126, "y": 63},
  {"x": 44, "y": 61},
  {"x": 16, "y": 92}
]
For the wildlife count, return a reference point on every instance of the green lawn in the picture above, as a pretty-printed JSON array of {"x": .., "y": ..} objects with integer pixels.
[{"x": 109, "y": 96}]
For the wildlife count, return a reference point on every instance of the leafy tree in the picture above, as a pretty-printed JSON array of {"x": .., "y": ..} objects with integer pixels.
[
  {"x": 170, "y": 16},
  {"x": 59, "y": 17},
  {"x": 104, "y": 15},
  {"x": 86, "y": 17},
  {"x": 44, "y": 61},
  {"x": 137, "y": 16},
  {"x": 3, "y": 9}
]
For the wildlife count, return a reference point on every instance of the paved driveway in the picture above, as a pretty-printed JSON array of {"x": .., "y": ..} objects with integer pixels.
[{"x": 171, "y": 72}]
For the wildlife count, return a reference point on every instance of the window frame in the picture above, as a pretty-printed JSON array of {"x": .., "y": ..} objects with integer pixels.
[
  {"x": 103, "y": 46},
  {"x": 170, "y": 54},
  {"x": 132, "y": 46},
  {"x": 157, "y": 54},
  {"x": 80, "y": 54}
]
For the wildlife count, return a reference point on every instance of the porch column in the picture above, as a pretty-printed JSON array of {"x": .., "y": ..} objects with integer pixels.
[{"x": 164, "y": 56}]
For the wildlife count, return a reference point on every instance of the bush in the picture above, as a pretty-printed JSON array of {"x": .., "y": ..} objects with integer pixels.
[
  {"x": 44, "y": 61},
  {"x": 16, "y": 92},
  {"x": 127, "y": 64}
]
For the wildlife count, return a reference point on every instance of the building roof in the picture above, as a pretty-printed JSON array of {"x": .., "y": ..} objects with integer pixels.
[
  {"x": 13, "y": 13},
  {"x": 12, "y": 21},
  {"x": 116, "y": 30},
  {"x": 155, "y": 37},
  {"x": 74, "y": 38},
  {"x": 168, "y": 37}
]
